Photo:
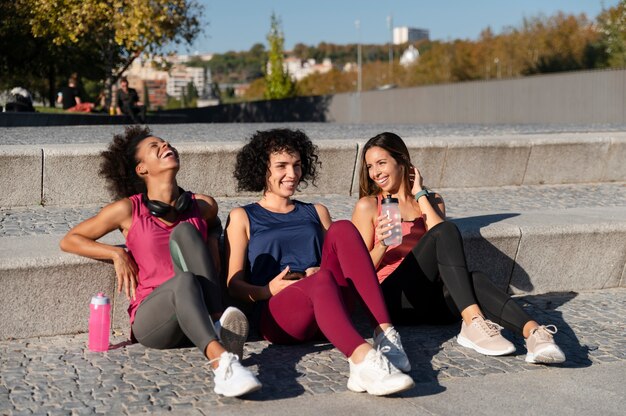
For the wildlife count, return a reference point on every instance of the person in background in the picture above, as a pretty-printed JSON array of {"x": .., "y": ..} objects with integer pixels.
[
  {"x": 127, "y": 103},
  {"x": 19, "y": 101},
  {"x": 429, "y": 265},
  {"x": 171, "y": 266},
  {"x": 70, "y": 99}
]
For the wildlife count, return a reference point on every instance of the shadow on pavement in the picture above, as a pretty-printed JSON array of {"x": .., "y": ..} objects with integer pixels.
[
  {"x": 504, "y": 271},
  {"x": 544, "y": 309},
  {"x": 278, "y": 370}
]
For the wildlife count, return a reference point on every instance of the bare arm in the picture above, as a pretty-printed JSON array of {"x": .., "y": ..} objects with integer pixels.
[
  {"x": 432, "y": 207},
  {"x": 364, "y": 219},
  {"x": 82, "y": 238},
  {"x": 236, "y": 240},
  {"x": 324, "y": 215}
]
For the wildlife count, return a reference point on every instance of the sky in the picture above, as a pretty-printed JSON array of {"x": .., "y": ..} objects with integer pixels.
[{"x": 236, "y": 25}]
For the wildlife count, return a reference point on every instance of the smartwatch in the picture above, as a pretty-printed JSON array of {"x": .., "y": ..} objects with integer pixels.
[{"x": 423, "y": 192}]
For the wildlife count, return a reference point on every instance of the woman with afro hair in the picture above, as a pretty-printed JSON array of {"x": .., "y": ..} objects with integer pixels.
[
  {"x": 300, "y": 269},
  {"x": 167, "y": 270}
]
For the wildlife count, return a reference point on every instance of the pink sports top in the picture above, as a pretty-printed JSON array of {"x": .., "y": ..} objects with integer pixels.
[
  {"x": 148, "y": 243},
  {"x": 412, "y": 231}
]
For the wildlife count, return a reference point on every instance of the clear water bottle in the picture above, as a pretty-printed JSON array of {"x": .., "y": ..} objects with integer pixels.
[
  {"x": 99, "y": 322},
  {"x": 391, "y": 209}
]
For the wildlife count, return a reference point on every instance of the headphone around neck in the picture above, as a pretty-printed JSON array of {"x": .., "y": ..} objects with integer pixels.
[{"x": 161, "y": 209}]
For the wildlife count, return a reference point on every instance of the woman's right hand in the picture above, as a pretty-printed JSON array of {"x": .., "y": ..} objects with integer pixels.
[
  {"x": 126, "y": 271},
  {"x": 383, "y": 228},
  {"x": 279, "y": 283}
]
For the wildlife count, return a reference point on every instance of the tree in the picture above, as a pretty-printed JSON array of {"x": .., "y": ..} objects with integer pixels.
[
  {"x": 278, "y": 82},
  {"x": 120, "y": 29},
  {"x": 612, "y": 24},
  {"x": 36, "y": 63}
]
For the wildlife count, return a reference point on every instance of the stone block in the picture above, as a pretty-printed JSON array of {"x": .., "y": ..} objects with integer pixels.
[
  {"x": 71, "y": 177},
  {"x": 615, "y": 169},
  {"x": 20, "y": 175},
  {"x": 490, "y": 245},
  {"x": 484, "y": 162},
  {"x": 338, "y": 159},
  {"x": 429, "y": 158},
  {"x": 214, "y": 164},
  {"x": 583, "y": 250},
  {"x": 44, "y": 291},
  {"x": 577, "y": 160},
  {"x": 208, "y": 168}
]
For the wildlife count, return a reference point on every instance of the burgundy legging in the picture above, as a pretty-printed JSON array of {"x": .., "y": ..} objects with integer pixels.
[{"x": 318, "y": 302}]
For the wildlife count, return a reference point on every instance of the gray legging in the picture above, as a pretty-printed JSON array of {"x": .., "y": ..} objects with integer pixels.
[{"x": 178, "y": 313}]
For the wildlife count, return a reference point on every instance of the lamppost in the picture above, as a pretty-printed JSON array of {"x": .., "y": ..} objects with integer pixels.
[
  {"x": 357, "y": 24},
  {"x": 497, "y": 62},
  {"x": 390, "y": 27}
]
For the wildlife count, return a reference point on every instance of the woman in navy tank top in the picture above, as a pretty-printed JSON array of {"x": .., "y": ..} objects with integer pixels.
[{"x": 298, "y": 267}]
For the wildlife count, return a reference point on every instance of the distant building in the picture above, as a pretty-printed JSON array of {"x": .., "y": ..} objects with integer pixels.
[
  {"x": 161, "y": 84},
  {"x": 180, "y": 76},
  {"x": 299, "y": 69},
  {"x": 143, "y": 75},
  {"x": 409, "y": 56},
  {"x": 408, "y": 34}
]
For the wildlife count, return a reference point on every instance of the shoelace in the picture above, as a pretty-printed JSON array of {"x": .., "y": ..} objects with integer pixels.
[
  {"x": 229, "y": 369},
  {"x": 380, "y": 360},
  {"x": 491, "y": 328},
  {"x": 392, "y": 338},
  {"x": 545, "y": 332}
]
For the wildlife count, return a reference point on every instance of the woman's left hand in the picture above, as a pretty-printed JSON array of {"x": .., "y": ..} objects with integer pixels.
[
  {"x": 310, "y": 271},
  {"x": 417, "y": 182}
]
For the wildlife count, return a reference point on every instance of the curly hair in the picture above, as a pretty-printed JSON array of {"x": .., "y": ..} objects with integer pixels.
[
  {"x": 119, "y": 162},
  {"x": 253, "y": 159},
  {"x": 396, "y": 147}
]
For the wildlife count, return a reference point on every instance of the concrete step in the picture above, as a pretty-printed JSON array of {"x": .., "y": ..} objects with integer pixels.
[
  {"x": 538, "y": 240},
  {"x": 66, "y": 174}
]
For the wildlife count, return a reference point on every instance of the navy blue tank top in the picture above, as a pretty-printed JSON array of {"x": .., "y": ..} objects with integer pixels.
[{"x": 278, "y": 240}]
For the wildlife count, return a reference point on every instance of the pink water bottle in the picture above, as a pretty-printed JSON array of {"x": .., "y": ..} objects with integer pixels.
[{"x": 99, "y": 322}]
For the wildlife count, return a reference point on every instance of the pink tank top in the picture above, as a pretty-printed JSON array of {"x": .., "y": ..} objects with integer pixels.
[
  {"x": 412, "y": 231},
  {"x": 148, "y": 243}
]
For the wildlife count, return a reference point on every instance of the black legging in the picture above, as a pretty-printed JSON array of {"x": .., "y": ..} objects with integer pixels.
[
  {"x": 435, "y": 280},
  {"x": 178, "y": 313}
]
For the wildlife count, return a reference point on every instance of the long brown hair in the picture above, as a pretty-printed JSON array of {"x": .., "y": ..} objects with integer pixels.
[{"x": 393, "y": 144}]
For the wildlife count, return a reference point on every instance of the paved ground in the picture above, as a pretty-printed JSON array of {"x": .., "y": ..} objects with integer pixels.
[
  {"x": 317, "y": 131},
  {"x": 459, "y": 203},
  {"x": 58, "y": 375}
]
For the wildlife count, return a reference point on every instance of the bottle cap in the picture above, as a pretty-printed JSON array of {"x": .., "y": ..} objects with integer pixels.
[
  {"x": 100, "y": 299},
  {"x": 390, "y": 200}
]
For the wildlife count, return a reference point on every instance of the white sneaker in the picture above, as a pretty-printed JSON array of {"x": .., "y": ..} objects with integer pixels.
[
  {"x": 231, "y": 378},
  {"x": 377, "y": 375},
  {"x": 232, "y": 330},
  {"x": 391, "y": 338}
]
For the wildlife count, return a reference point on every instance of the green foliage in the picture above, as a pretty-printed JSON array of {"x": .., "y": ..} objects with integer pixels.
[
  {"x": 278, "y": 81},
  {"x": 612, "y": 24},
  {"x": 44, "y": 41}
]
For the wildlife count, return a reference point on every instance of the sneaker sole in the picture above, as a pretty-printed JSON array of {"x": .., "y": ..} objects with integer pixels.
[
  {"x": 357, "y": 388},
  {"x": 549, "y": 355},
  {"x": 461, "y": 340},
  {"x": 234, "y": 332},
  {"x": 245, "y": 389}
]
